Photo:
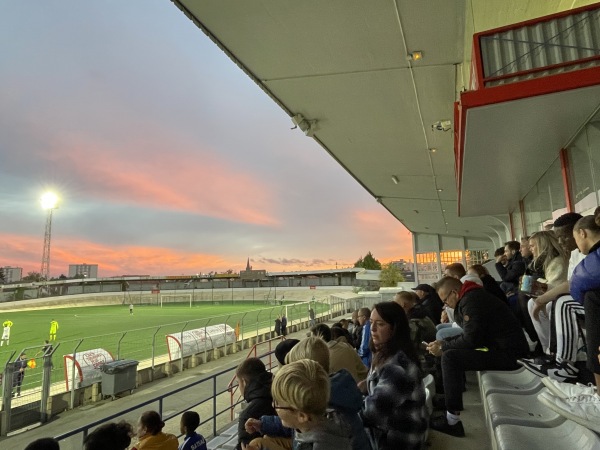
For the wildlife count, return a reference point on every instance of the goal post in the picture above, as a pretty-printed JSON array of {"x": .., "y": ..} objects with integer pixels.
[{"x": 175, "y": 298}]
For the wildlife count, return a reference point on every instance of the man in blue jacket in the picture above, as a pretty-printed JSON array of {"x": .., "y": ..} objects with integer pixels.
[{"x": 364, "y": 316}]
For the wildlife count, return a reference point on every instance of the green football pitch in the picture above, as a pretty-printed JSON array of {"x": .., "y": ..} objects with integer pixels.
[{"x": 131, "y": 336}]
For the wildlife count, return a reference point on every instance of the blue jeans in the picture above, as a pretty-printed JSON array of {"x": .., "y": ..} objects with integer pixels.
[{"x": 446, "y": 330}]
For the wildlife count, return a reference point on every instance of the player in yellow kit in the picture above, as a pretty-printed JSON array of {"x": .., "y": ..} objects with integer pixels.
[{"x": 53, "y": 329}]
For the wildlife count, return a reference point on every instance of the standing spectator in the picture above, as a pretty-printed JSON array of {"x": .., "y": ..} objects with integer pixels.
[
  {"x": 19, "y": 373},
  {"x": 53, "y": 329},
  {"x": 278, "y": 326},
  {"x": 190, "y": 420},
  {"x": 44, "y": 444},
  {"x": 283, "y": 325},
  {"x": 150, "y": 434},
  {"x": 114, "y": 436},
  {"x": 394, "y": 410},
  {"x": 311, "y": 317},
  {"x": 255, "y": 386},
  {"x": 363, "y": 350}
]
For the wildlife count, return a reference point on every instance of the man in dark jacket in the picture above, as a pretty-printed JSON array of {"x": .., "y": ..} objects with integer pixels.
[
  {"x": 255, "y": 387},
  {"x": 491, "y": 340},
  {"x": 514, "y": 268},
  {"x": 430, "y": 302}
]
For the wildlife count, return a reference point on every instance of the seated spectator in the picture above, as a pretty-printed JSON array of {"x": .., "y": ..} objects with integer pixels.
[
  {"x": 338, "y": 334},
  {"x": 430, "y": 302},
  {"x": 491, "y": 340},
  {"x": 421, "y": 326},
  {"x": 150, "y": 435},
  {"x": 190, "y": 420},
  {"x": 283, "y": 348},
  {"x": 111, "y": 435},
  {"x": 489, "y": 284},
  {"x": 525, "y": 250},
  {"x": 300, "y": 396},
  {"x": 563, "y": 230},
  {"x": 345, "y": 397},
  {"x": 344, "y": 332},
  {"x": 511, "y": 270},
  {"x": 363, "y": 350},
  {"x": 45, "y": 444},
  {"x": 569, "y": 308},
  {"x": 394, "y": 407},
  {"x": 455, "y": 270},
  {"x": 255, "y": 387},
  {"x": 550, "y": 264},
  {"x": 341, "y": 354}
]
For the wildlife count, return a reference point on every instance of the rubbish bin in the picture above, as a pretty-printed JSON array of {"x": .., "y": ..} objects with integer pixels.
[{"x": 119, "y": 376}]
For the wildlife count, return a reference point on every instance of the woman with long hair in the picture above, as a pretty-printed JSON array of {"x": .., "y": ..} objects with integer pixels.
[
  {"x": 394, "y": 408},
  {"x": 550, "y": 260}
]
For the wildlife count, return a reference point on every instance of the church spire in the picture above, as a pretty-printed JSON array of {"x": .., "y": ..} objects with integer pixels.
[{"x": 248, "y": 266}]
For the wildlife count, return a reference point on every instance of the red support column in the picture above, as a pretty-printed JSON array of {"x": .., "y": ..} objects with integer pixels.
[
  {"x": 566, "y": 177},
  {"x": 523, "y": 221},
  {"x": 512, "y": 226}
]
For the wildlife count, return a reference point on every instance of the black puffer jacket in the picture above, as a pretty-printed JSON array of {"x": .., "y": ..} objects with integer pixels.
[
  {"x": 487, "y": 322},
  {"x": 260, "y": 403}
]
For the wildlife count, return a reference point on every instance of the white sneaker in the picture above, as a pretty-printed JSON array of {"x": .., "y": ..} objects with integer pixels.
[
  {"x": 583, "y": 409},
  {"x": 566, "y": 390}
]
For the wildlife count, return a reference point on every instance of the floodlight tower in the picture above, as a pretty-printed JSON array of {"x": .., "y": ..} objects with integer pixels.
[{"x": 49, "y": 202}]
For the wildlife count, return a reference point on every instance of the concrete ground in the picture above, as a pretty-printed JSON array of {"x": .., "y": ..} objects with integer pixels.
[{"x": 473, "y": 417}]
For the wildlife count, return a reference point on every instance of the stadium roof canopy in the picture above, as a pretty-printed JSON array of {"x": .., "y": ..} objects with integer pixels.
[{"x": 345, "y": 65}]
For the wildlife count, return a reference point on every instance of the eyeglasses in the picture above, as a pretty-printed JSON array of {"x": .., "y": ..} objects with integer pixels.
[
  {"x": 444, "y": 300},
  {"x": 285, "y": 408}
]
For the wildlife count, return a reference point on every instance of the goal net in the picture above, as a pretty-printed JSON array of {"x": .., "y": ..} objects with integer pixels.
[{"x": 168, "y": 299}]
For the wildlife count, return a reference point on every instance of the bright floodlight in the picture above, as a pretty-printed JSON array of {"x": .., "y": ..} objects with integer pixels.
[{"x": 49, "y": 200}]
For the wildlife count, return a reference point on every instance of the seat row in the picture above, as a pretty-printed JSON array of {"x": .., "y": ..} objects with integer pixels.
[{"x": 517, "y": 419}]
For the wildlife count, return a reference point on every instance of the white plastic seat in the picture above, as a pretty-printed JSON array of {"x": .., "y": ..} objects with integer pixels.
[
  {"x": 519, "y": 409},
  {"x": 514, "y": 382},
  {"x": 566, "y": 436}
]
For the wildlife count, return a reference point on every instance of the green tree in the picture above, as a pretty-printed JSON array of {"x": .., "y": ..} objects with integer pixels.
[
  {"x": 32, "y": 276},
  {"x": 390, "y": 275},
  {"x": 368, "y": 262}
]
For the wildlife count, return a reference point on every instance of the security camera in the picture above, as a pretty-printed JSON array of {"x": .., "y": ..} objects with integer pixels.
[{"x": 441, "y": 125}]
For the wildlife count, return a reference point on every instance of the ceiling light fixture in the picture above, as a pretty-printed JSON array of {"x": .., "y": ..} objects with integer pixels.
[
  {"x": 433, "y": 150},
  {"x": 395, "y": 179},
  {"x": 415, "y": 56},
  {"x": 440, "y": 190}
]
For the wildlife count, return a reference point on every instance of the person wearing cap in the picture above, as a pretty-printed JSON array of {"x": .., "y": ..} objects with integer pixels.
[{"x": 430, "y": 302}]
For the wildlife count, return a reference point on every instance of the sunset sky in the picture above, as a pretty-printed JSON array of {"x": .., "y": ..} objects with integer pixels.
[{"x": 166, "y": 157}]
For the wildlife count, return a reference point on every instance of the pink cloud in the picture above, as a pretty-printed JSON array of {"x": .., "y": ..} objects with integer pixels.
[
  {"x": 25, "y": 251},
  {"x": 144, "y": 172},
  {"x": 388, "y": 238}
]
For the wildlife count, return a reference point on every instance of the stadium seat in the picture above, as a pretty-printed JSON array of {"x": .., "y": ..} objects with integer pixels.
[
  {"x": 519, "y": 409},
  {"x": 568, "y": 435},
  {"x": 515, "y": 382},
  {"x": 227, "y": 440}
]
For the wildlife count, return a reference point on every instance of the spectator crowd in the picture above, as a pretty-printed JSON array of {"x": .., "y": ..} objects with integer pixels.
[{"x": 358, "y": 385}]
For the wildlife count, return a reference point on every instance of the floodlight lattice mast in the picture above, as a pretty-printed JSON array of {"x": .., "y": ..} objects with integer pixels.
[{"x": 45, "y": 271}]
